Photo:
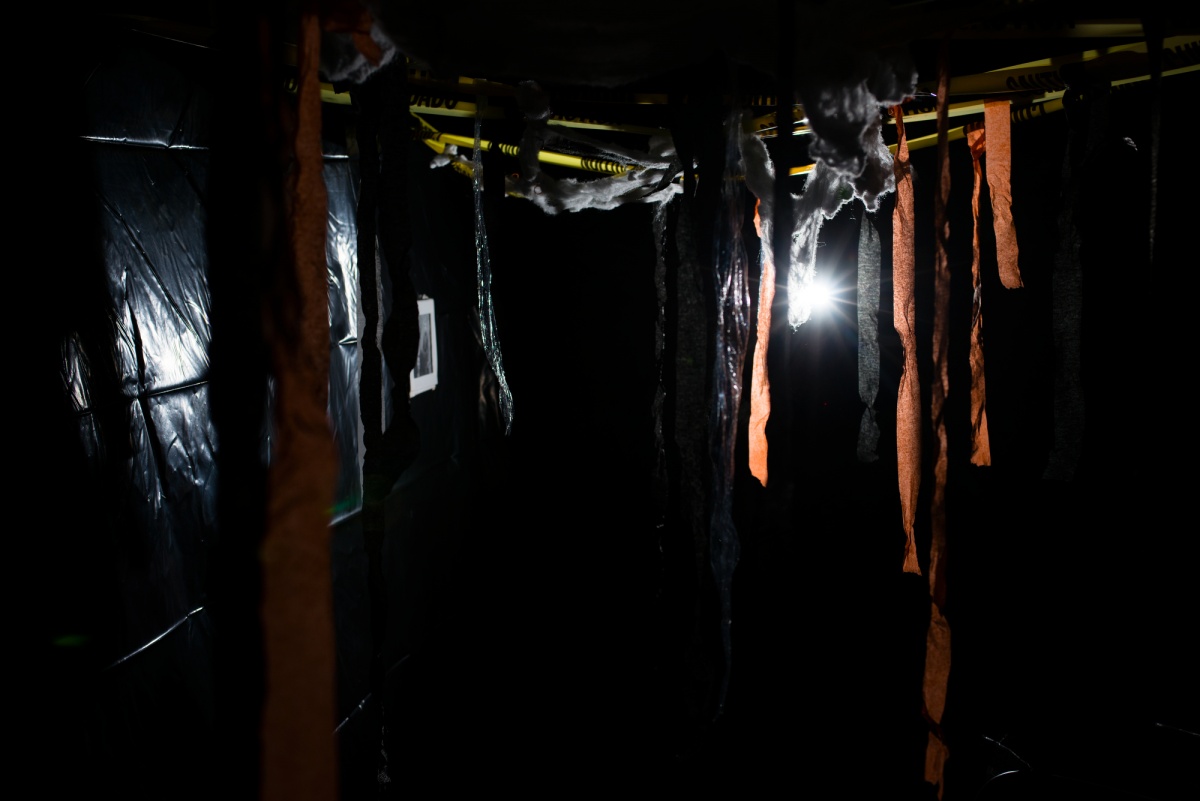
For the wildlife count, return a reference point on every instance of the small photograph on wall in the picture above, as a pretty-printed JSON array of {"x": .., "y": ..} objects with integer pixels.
[{"x": 424, "y": 373}]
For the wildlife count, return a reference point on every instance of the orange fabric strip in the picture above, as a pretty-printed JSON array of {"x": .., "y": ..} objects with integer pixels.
[
  {"x": 981, "y": 447},
  {"x": 298, "y": 749},
  {"x": 998, "y": 124},
  {"x": 936, "y": 754},
  {"x": 937, "y": 643},
  {"x": 904, "y": 308},
  {"x": 937, "y": 668},
  {"x": 760, "y": 385}
]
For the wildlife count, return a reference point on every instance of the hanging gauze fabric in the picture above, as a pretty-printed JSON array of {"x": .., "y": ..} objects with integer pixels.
[{"x": 869, "y": 255}]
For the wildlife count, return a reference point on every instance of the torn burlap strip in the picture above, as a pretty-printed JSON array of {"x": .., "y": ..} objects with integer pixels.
[
  {"x": 998, "y": 124},
  {"x": 904, "y": 306},
  {"x": 298, "y": 748},
  {"x": 981, "y": 448}
]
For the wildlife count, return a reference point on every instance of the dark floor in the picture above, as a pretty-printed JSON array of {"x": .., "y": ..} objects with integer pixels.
[{"x": 531, "y": 648}]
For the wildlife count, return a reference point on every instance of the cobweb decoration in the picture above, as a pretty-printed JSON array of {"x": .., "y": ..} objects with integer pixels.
[{"x": 650, "y": 178}]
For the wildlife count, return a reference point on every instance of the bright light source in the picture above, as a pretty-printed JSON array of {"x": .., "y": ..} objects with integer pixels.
[
  {"x": 807, "y": 297},
  {"x": 820, "y": 294}
]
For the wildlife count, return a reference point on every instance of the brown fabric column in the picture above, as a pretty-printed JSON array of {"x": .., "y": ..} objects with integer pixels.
[
  {"x": 298, "y": 754},
  {"x": 981, "y": 448},
  {"x": 937, "y": 641},
  {"x": 998, "y": 123},
  {"x": 760, "y": 384},
  {"x": 904, "y": 306}
]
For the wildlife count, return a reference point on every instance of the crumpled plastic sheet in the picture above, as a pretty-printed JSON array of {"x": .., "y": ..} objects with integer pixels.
[
  {"x": 150, "y": 173},
  {"x": 151, "y": 214},
  {"x": 488, "y": 331},
  {"x": 730, "y": 274},
  {"x": 344, "y": 329},
  {"x": 137, "y": 99}
]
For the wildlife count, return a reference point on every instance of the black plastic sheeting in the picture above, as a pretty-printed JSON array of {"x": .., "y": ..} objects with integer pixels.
[
  {"x": 150, "y": 173},
  {"x": 129, "y": 635},
  {"x": 131, "y": 639}
]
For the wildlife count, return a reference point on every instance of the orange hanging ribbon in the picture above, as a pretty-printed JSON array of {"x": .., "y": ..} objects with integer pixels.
[
  {"x": 904, "y": 308},
  {"x": 760, "y": 385},
  {"x": 981, "y": 448},
  {"x": 998, "y": 124}
]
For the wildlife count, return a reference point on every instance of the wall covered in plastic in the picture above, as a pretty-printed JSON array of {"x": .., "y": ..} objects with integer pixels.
[{"x": 130, "y": 636}]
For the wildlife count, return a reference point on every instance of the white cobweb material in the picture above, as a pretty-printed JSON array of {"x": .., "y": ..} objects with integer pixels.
[
  {"x": 650, "y": 176},
  {"x": 850, "y": 160},
  {"x": 851, "y": 64}
]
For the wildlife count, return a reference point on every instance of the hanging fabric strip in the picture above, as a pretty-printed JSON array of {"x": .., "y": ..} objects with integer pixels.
[
  {"x": 1087, "y": 121},
  {"x": 730, "y": 282},
  {"x": 760, "y": 385},
  {"x": 760, "y": 180},
  {"x": 998, "y": 124},
  {"x": 400, "y": 333},
  {"x": 690, "y": 343},
  {"x": 937, "y": 641},
  {"x": 298, "y": 753},
  {"x": 937, "y": 674},
  {"x": 661, "y": 484},
  {"x": 1152, "y": 25},
  {"x": 904, "y": 307},
  {"x": 869, "y": 255},
  {"x": 981, "y": 448},
  {"x": 483, "y": 278}
]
